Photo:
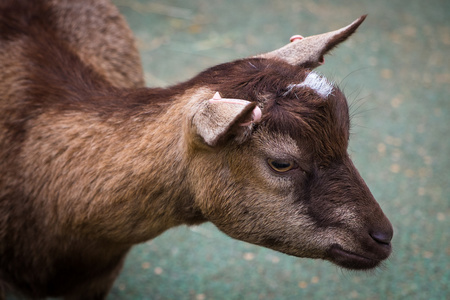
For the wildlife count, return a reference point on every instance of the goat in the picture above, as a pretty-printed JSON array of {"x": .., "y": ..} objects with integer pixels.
[{"x": 92, "y": 162}]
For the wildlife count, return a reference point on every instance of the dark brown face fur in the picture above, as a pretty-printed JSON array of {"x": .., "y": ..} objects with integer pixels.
[{"x": 322, "y": 207}]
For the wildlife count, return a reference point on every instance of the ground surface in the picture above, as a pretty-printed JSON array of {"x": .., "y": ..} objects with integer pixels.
[{"x": 395, "y": 72}]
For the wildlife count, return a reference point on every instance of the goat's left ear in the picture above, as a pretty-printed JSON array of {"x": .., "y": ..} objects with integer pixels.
[{"x": 220, "y": 119}]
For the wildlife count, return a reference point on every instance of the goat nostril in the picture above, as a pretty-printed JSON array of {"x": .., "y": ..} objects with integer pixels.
[{"x": 382, "y": 237}]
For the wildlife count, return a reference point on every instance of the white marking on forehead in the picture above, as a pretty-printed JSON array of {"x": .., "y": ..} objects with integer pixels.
[{"x": 315, "y": 82}]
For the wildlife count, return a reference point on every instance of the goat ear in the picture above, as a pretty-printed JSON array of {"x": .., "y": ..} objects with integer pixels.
[
  {"x": 309, "y": 51},
  {"x": 220, "y": 119}
]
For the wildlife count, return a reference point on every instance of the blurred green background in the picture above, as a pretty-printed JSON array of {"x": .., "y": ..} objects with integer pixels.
[{"x": 395, "y": 72}]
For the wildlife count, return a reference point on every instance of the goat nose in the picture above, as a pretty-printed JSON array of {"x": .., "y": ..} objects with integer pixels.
[{"x": 382, "y": 237}]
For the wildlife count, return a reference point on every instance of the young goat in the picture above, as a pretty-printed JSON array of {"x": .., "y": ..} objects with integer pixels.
[{"x": 93, "y": 163}]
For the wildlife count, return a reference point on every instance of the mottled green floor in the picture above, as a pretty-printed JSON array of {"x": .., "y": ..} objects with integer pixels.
[{"x": 395, "y": 72}]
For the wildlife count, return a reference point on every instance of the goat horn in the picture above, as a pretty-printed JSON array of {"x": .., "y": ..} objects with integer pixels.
[{"x": 309, "y": 51}]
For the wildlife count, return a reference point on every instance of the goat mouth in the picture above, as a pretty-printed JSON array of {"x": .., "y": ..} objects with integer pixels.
[{"x": 351, "y": 260}]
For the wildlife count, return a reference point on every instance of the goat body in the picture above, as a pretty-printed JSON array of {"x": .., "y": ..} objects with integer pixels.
[{"x": 93, "y": 163}]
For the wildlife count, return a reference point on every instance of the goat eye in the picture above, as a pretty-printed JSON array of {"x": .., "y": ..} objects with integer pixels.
[{"x": 281, "y": 165}]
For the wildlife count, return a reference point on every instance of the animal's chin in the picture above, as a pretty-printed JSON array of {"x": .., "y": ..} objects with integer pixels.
[{"x": 351, "y": 260}]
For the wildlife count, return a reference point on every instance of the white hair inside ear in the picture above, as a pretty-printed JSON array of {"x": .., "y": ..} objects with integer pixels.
[{"x": 219, "y": 118}]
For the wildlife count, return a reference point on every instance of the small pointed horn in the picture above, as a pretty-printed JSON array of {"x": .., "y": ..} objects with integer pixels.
[{"x": 309, "y": 51}]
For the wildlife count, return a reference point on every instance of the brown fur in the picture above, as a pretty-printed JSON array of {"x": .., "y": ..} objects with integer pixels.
[{"x": 93, "y": 163}]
